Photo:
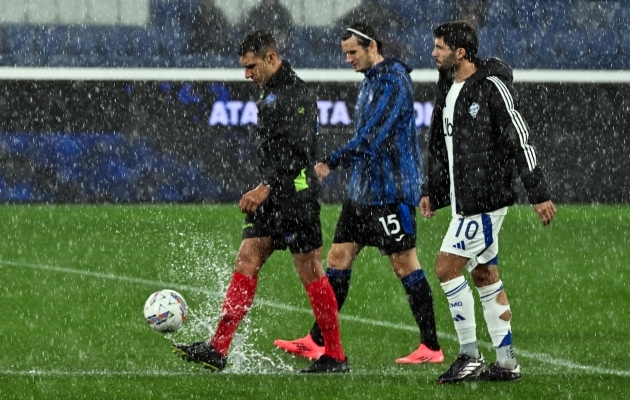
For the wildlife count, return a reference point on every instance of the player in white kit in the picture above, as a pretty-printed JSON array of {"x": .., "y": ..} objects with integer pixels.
[{"x": 478, "y": 143}]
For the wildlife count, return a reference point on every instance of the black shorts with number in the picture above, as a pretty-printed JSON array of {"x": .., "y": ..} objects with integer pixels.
[
  {"x": 291, "y": 222},
  {"x": 391, "y": 227}
]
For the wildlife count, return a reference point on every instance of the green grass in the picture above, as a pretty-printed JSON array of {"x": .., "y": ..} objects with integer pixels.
[{"x": 75, "y": 279}]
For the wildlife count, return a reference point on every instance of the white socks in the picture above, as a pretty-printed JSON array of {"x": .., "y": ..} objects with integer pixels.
[
  {"x": 500, "y": 330},
  {"x": 462, "y": 306}
]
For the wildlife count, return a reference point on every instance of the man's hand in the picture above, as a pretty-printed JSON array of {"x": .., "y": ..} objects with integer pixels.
[
  {"x": 545, "y": 211},
  {"x": 252, "y": 199},
  {"x": 425, "y": 207},
  {"x": 322, "y": 170}
]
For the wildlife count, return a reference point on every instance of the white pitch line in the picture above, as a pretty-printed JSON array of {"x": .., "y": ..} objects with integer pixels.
[
  {"x": 540, "y": 357},
  {"x": 411, "y": 371}
]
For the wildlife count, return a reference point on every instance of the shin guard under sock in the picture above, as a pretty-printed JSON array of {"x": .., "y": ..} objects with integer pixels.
[
  {"x": 498, "y": 318},
  {"x": 462, "y": 306},
  {"x": 420, "y": 300},
  {"x": 238, "y": 300},
  {"x": 324, "y": 306},
  {"x": 340, "y": 283}
]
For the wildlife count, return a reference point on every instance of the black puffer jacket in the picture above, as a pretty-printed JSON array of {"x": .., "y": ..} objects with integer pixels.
[{"x": 490, "y": 144}]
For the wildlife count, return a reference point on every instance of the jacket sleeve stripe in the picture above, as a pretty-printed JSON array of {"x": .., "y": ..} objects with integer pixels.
[{"x": 517, "y": 121}]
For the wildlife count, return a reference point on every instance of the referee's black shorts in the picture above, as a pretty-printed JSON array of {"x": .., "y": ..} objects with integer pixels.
[
  {"x": 292, "y": 222},
  {"x": 391, "y": 227}
]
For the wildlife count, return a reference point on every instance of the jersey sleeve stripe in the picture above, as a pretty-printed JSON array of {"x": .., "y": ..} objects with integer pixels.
[{"x": 517, "y": 121}]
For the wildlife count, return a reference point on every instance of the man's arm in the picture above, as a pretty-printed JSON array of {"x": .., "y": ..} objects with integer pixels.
[
  {"x": 251, "y": 200},
  {"x": 322, "y": 170},
  {"x": 425, "y": 190},
  {"x": 378, "y": 125},
  {"x": 425, "y": 207},
  {"x": 516, "y": 131}
]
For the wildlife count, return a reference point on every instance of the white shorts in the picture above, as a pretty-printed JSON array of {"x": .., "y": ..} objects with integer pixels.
[{"x": 475, "y": 237}]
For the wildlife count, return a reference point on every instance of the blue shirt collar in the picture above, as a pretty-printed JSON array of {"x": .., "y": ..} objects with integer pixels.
[{"x": 383, "y": 66}]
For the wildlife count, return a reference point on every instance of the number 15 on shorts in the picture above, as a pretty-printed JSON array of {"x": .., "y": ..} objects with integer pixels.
[{"x": 391, "y": 226}]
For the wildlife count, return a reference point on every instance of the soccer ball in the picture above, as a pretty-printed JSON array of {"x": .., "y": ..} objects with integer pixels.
[{"x": 165, "y": 311}]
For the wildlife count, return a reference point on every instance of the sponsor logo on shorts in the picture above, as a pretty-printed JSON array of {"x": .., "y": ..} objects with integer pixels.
[
  {"x": 461, "y": 245},
  {"x": 289, "y": 238}
]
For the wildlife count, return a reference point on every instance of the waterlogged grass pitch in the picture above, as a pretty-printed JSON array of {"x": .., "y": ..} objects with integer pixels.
[{"x": 75, "y": 279}]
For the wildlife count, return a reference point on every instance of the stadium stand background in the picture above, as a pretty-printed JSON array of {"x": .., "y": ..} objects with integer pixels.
[
  {"x": 153, "y": 33},
  {"x": 73, "y": 141}
]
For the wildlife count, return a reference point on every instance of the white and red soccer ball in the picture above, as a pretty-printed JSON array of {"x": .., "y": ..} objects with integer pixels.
[{"x": 165, "y": 311}]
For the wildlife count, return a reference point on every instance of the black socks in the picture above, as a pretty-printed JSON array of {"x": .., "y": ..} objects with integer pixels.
[{"x": 420, "y": 300}]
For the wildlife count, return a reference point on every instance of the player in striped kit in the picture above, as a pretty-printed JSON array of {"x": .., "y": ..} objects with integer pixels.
[
  {"x": 477, "y": 141},
  {"x": 386, "y": 173}
]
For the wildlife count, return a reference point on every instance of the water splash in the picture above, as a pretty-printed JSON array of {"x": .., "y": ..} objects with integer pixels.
[{"x": 203, "y": 260}]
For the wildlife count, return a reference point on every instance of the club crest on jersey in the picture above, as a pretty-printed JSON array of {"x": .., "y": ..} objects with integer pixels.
[
  {"x": 270, "y": 99},
  {"x": 473, "y": 110}
]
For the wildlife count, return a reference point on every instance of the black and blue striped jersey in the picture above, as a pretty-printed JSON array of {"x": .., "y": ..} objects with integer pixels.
[{"x": 384, "y": 155}]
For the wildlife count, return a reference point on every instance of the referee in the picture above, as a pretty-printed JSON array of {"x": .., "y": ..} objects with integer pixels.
[{"x": 281, "y": 212}]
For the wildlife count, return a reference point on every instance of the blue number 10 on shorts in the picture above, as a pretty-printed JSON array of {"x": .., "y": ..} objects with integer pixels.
[{"x": 475, "y": 237}]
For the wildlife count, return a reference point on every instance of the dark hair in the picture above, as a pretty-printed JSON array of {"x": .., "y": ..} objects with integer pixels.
[
  {"x": 459, "y": 35},
  {"x": 258, "y": 42},
  {"x": 367, "y": 30}
]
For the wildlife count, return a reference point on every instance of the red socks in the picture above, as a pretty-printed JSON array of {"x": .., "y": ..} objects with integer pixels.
[
  {"x": 238, "y": 300},
  {"x": 324, "y": 307}
]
